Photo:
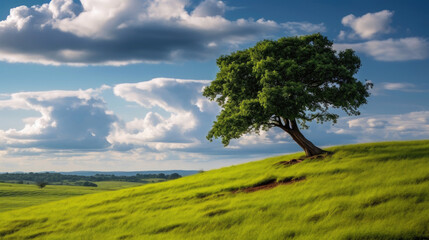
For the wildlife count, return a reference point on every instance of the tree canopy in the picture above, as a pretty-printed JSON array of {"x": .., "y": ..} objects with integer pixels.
[{"x": 282, "y": 83}]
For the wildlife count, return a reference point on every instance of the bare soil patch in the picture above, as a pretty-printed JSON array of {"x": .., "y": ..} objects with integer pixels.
[
  {"x": 269, "y": 185},
  {"x": 290, "y": 162},
  {"x": 295, "y": 161}
]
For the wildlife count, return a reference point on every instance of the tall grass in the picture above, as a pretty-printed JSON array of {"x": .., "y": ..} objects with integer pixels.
[{"x": 365, "y": 191}]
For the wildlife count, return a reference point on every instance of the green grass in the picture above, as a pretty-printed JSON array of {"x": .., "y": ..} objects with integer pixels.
[
  {"x": 116, "y": 185},
  {"x": 366, "y": 191},
  {"x": 15, "y": 196}
]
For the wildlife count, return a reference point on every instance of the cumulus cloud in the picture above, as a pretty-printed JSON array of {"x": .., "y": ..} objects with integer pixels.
[
  {"x": 414, "y": 125},
  {"x": 114, "y": 32},
  {"x": 210, "y": 8},
  {"x": 69, "y": 120},
  {"x": 368, "y": 25},
  {"x": 404, "y": 49},
  {"x": 371, "y": 25},
  {"x": 301, "y": 28},
  {"x": 177, "y": 113}
]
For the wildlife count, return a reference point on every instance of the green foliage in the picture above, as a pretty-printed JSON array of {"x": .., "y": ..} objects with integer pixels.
[
  {"x": 41, "y": 184},
  {"x": 365, "y": 191},
  {"x": 293, "y": 78},
  {"x": 86, "y": 184}
]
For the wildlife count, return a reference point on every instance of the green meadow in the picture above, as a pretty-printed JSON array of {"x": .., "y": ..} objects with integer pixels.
[
  {"x": 364, "y": 191},
  {"x": 14, "y": 196}
]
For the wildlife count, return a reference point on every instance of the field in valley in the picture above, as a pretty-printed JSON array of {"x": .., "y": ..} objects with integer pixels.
[{"x": 15, "y": 196}]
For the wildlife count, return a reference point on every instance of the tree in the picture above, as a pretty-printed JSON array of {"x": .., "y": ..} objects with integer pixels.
[
  {"x": 286, "y": 84},
  {"x": 174, "y": 176},
  {"x": 41, "y": 184}
]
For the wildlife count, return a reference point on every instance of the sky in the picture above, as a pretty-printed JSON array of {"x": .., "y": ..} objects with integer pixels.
[{"x": 116, "y": 85}]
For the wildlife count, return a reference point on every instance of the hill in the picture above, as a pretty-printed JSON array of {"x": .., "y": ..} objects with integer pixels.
[{"x": 365, "y": 191}]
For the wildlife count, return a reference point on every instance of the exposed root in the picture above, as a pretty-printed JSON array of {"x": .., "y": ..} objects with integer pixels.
[
  {"x": 269, "y": 185},
  {"x": 295, "y": 161},
  {"x": 320, "y": 156},
  {"x": 290, "y": 162}
]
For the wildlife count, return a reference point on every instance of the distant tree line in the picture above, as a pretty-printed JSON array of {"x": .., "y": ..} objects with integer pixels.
[{"x": 62, "y": 179}]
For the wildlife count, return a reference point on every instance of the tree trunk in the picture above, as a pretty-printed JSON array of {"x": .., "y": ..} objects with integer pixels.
[
  {"x": 309, "y": 148},
  {"x": 292, "y": 128}
]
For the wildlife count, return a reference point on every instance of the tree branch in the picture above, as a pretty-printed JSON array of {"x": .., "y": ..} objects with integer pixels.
[
  {"x": 294, "y": 125},
  {"x": 286, "y": 123},
  {"x": 275, "y": 121}
]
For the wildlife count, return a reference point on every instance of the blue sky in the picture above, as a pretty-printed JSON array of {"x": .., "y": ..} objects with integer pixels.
[{"x": 116, "y": 85}]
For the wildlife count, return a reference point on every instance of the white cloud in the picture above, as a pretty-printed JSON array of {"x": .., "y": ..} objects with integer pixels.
[
  {"x": 181, "y": 112},
  {"x": 342, "y": 35},
  {"x": 398, "y": 86},
  {"x": 404, "y": 49},
  {"x": 265, "y": 137},
  {"x": 383, "y": 87},
  {"x": 173, "y": 95},
  {"x": 370, "y": 24},
  {"x": 111, "y": 32},
  {"x": 301, "y": 28},
  {"x": 210, "y": 8},
  {"x": 69, "y": 120},
  {"x": 413, "y": 125}
]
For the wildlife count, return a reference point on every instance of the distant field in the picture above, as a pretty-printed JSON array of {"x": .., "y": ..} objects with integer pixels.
[
  {"x": 361, "y": 192},
  {"x": 106, "y": 185},
  {"x": 14, "y": 196}
]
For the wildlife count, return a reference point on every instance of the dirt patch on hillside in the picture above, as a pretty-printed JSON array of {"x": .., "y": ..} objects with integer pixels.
[
  {"x": 269, "y": 185},
  {"x": 290, "y": 162},
  {"x": 298, "y": 160}
]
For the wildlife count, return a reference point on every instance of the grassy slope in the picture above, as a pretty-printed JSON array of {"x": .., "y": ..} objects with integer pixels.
[
  {"x": 15, "y": 196},
  {"x": 367, "y": 191}
]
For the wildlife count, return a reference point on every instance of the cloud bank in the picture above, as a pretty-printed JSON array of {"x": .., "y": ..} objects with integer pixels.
[
  {"x": 122, "y": 32},
  {"x": 176, "y": 120},
  {"x": 77, "y": 127},
  {"x": 413, "y": 125},
  {"x": 69, "y": 120},
  {"x": 390, "y": 50}
]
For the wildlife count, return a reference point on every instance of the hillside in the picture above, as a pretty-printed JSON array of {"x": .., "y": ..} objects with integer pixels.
[{"x": 365, "y": 191}]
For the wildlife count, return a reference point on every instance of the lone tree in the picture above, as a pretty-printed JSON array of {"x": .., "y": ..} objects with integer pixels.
[
  {"x": 41, "y": 184},
  {"x": 285, "y": 83}
]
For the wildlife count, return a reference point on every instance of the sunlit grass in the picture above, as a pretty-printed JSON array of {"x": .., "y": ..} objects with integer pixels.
[
  {"x": 366, "y": 191},
  {"x": 116, "y": 185},
  {"x": 15, "y": 196}
]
